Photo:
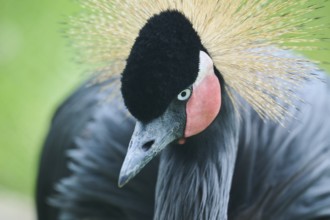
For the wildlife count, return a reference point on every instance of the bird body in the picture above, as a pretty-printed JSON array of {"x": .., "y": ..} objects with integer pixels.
[
  {"x": 196, "y": 133},
  {"x": 280, "y": 172}
]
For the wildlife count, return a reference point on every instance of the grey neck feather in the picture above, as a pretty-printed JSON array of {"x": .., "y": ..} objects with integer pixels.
[{"x": 194, "y": 179}]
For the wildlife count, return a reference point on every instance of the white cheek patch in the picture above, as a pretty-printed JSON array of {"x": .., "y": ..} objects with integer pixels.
[
  {"x": 202, "y": 108},
  {"x": 205, "y": 67}
]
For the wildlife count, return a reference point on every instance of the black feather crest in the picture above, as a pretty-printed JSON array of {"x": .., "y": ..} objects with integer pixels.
[{"x": 164, "y": 60}]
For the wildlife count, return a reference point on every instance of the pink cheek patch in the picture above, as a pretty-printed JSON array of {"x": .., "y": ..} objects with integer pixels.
[{"x": 203, "y": 105}]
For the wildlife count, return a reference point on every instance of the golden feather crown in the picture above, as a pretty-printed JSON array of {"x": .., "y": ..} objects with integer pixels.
[{"x": 246, "y": 39}]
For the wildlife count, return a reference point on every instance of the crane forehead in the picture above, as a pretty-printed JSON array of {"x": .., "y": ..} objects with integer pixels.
[{"x": 163, "y": 61}]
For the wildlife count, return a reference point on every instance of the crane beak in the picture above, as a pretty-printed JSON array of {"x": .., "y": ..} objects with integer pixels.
[{"x": 147, "y": 141}]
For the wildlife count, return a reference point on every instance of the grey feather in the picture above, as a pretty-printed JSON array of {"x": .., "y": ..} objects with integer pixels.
[{"x": 280, "y": 172}]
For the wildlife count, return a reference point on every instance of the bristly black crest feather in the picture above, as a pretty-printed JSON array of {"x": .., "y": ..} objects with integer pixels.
[{"x": 163, "y": 61}]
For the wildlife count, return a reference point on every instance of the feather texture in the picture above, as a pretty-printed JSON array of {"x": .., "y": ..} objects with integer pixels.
[{"x": 243, "y": 37}]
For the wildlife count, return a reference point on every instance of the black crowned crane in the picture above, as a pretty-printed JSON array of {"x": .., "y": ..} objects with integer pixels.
[{"x": 222, "y": 120}]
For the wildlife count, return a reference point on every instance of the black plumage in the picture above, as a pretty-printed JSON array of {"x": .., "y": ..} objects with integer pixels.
[
  {"x": 280, "y": 172},
  {"x": 74, "y": 172}
]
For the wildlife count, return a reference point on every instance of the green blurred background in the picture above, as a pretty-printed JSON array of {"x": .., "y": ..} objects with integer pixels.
[{"x": 36, "y": 73}]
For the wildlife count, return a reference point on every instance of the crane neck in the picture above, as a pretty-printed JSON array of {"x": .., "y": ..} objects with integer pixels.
[{"x": 194, "y": 179}]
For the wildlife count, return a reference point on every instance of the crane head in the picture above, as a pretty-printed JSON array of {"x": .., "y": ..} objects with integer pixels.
[{"x": 169, "y": 85}]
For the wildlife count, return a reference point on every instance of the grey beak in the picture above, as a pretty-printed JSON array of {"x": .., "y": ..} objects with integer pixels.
[{"x": 147, "y": 141}]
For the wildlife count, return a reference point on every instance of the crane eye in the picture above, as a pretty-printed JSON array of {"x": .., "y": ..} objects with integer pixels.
[{"x": 184, "y": 95}]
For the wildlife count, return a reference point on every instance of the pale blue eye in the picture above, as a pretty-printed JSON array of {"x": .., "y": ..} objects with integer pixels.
[{"x": 184, "y": 95}]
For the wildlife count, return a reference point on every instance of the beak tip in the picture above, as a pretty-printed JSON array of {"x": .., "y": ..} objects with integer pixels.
[{"x": 122, "y": 181}]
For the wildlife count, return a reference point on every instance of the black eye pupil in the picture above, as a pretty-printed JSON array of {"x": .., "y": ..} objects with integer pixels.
[{"x": 183, "y": 94}]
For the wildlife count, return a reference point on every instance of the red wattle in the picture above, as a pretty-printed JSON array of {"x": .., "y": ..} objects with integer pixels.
[{"x": 203, "y": 105}]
